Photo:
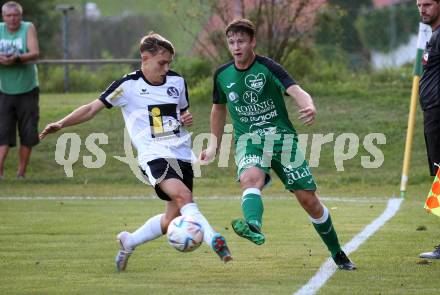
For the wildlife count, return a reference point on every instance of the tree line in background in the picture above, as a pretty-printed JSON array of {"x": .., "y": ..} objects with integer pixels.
[
  {"x": 384, "y": 29},
  {"x": 312, "y": 38}
]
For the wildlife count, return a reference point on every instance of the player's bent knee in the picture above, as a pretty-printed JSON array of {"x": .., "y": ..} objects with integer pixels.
[
  {"x": 184, "y": 197},
  {"x": 309, "y": 201},
  {"x": 248, "y": 180}
]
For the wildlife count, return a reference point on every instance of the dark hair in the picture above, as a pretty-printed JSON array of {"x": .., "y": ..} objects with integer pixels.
[
  {"x": 241, "y": 26},
  {"x": 154, "y": 42}
]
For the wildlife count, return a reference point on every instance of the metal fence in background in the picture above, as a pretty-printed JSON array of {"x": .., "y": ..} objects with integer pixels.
[{"x": 67, "y": 62}]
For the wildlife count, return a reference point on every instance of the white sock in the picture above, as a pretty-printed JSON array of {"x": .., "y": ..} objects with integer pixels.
[
  {"x": 149, "y": 231},
  {"x": 192, "y": 210}
]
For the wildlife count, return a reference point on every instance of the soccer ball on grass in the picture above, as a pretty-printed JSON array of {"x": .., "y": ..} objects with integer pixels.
[{"x": 185, "y": 234}]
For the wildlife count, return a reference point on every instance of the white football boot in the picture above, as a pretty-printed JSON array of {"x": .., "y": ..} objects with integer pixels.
[{"x": 124, "y": 252}]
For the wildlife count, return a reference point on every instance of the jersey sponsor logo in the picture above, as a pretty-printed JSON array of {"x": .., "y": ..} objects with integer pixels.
[
  {"x": 249, "y": 161},
  {"x": 259, "y": 129},
  {"x": 250, "y": 97},
  {"x": 255, "y": 109},
  {"x": 264, "y": 117},
  {"x": 230, "y": 85},
  {"x": 233, "y": 96},
  {"x": 173, "y": 92},
  {"x": 163, "y": 120},
  {"x": 255, "y": 82},
  {"x": 296, "y": 174}
]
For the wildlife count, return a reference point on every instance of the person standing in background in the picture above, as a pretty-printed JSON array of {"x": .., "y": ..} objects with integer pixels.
[
  {"x": 430, "y": 92},
  {"x": 19, "y": 92}
]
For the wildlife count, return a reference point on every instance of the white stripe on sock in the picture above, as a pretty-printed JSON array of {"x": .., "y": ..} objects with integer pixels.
[
  {"x": 252, "y": 190},
  {"x": 322, "y": 219}
]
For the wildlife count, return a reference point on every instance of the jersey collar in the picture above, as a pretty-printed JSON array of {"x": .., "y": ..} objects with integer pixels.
[
  {"x": 250, "y": 66},
  {"x": 148, "y": 82}
]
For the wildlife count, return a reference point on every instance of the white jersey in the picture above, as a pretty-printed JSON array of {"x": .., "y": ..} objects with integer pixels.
[{"x": 152, "y": 115}]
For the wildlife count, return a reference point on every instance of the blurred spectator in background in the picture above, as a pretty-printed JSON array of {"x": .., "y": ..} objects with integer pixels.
[{"x": 19, "y": 92}]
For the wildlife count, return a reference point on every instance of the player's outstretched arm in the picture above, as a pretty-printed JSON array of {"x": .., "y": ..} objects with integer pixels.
[
  {"x": 218, "y": 119},
  {"x": 307, "y": 110},
  {"x": 78, "y": 116}
]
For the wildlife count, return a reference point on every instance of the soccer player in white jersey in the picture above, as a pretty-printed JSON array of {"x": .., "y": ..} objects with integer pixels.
[{"x": 154, "y": 103}]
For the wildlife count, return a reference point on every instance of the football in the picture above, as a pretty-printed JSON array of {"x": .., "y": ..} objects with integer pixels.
[{"x": 185, "y": 234}]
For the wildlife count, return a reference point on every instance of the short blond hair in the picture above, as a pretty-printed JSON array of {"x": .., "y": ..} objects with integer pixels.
[
  {"x": 154, "y": 42},
  {"x": 12, "y": 4}
]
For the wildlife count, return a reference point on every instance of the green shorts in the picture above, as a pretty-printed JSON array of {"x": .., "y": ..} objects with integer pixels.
[{"x": 286, "y": 160}]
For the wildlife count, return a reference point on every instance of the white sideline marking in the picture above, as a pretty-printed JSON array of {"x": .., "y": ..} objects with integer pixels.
[
  {"x": 210, "y": 198},
  {"x": 328, "y": 268}
]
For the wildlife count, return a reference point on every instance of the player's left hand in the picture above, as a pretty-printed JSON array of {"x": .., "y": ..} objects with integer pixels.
[
  {"x": 50, "y": 128},
  {"x": 186, "y": 119},
  {"x": 307, "y": 115}
]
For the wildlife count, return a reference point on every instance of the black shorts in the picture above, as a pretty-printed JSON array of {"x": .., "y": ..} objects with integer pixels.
[
  {"x": 161, "y": 169},
  {"x": 22, "y": 110},
  {"x": 431, "y": 120}
]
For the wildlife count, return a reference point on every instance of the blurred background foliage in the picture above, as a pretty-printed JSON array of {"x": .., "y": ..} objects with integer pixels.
[
  {"x": 340, "y": 42},
  {"x": 384, "y": 29}
]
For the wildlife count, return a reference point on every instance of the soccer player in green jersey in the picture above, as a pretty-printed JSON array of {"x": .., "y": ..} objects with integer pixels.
[{"x": 251, "y": 88}]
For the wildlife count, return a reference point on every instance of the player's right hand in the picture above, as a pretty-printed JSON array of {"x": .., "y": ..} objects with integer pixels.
[
  {"x": 207, "y": 156},
  {"x": 307, "y": 115},
  {"x": 50, "y": 128}
]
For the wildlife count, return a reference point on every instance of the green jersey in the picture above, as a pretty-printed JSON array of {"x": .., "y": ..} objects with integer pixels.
[
  {"x": 255, "y": 97},
  {"x": 17, "y": 78}
]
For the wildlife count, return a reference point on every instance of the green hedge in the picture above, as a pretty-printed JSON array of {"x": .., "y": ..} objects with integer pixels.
[
  {"x": 319, "y": 65},
  {"x": 81, "y": 78}
]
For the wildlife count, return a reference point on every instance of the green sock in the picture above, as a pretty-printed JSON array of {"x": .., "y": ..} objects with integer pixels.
[
  {"x": 252, "y": 207},
  {"x": 326, "y": 231}
]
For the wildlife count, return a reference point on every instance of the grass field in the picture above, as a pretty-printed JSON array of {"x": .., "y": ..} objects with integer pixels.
[{"x": 63, "y": 246}]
